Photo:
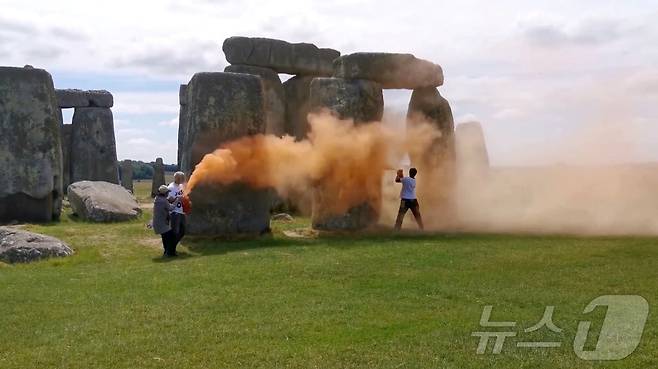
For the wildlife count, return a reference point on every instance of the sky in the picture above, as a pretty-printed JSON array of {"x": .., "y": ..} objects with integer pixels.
[{"x": 542, "y": 77}]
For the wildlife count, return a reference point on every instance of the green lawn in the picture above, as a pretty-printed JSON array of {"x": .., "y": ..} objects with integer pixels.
[{"x": 360, "y": 301}]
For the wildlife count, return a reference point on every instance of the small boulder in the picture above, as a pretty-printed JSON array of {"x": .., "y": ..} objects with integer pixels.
[
  {"x": 102, "y": 202},
  {"x": 18, "y": 246}
]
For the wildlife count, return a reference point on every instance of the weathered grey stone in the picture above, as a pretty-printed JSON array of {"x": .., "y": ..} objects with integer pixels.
[
  {"x": 427, "y": 104},
  {"x": 281, "y": 56},
  {"x": 30, "y": 146},
  {"x": 275, "y": 109},
  {"x": 93, "y": 148},
  {"x": 297, "y": 90},
  {"x": 363, "y": 102},
  {"x": 182, "y": 121},
  {"x": 126, "y": 174},
  {"x": 99, "y": 201},
  {"x": 356, "y": 218},
  {"x": 67, "y": 131},
  {"x": 390, "y": 70},
  {"x": 471, "y": 149},
  {"x": 182, "y": 94},
  {"x": 359, "y": 100},
  {"x": 236, "y": 209},
  {"x": 100, "y": 98},
  {"x": 158, "y": 176},
  {"x": 74, "y": 98},
  {"x": 18, "y": 246},
  {"x": 223, "y": 107}
]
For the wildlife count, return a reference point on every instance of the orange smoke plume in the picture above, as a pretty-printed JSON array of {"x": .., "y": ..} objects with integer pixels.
[{"x": 345, "y": 160}]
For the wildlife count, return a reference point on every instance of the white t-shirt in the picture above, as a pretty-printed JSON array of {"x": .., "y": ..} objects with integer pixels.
[
  {"x": 408, "y": 191},
  {"x": 176, "y": 190}
]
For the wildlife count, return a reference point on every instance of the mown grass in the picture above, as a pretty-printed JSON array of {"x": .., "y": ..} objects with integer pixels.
[{"x": 380, "y": 300}]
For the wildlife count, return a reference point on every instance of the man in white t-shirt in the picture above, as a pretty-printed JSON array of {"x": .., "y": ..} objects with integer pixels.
[
  {"x": 175, "y": 196},
  {"x": 408, "y": 200}
]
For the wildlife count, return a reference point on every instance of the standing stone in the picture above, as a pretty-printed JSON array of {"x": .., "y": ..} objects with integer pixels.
[
  {"x": 390, "y": 70},
  {"x": 158, "y": 176},
  {"x": 281, "y": 56},
  {"x": 93, "y": 148},
  {"x": 297, "y": 90},
  {"x": 30, "y": 146},
  {"x": 471, "y": 149},
  {"x": 359, "y": 100},
  {"x": 363, "y": 102},
  {"x": 436, "y": 166},
  {"x": 126, "y": 172},
  {"x": 223, "y": 107},
  {"x": 275, "y": 109},
  {"x": 182, "y": 121},
  {"x": 67, "y": 130}
]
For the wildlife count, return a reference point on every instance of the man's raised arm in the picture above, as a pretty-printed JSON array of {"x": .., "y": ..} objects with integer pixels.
[{"x": 399, "y": 176}]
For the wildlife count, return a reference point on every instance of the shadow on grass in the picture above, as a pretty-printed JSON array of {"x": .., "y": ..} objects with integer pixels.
[
  {"x": 180, "y": 256},
  {"x": 342, "y": 240}
]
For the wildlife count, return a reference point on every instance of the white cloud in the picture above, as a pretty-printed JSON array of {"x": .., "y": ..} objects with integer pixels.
[
  {"x": 529, "y": 71},
  {"x": 146, "y": 102},
  {"x": 173, "y": 122}
]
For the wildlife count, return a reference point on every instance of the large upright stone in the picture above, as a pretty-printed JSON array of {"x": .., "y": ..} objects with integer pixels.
[
  {"x": 297, "y": 90},
  {"x": 436, "y": 166},
  {"x": 93, "y": 147},
  {"x": 275, "y": 109},
  {"x": 126, "y": 174},
  {"x": 223, "y": 107},
  {"x": 182, "y": 120},
  {"x": 158, "y": 176},
  {"x": 359, "y": 100},
  {"x": 67, "y": 131},
  {"x": 471, "y": 149},
  {"x": 363, "y": 102},
  {"x": 390, "y": 70},
  {"x": 281, "y": 56},
  {"x": 30, "y": 146}
]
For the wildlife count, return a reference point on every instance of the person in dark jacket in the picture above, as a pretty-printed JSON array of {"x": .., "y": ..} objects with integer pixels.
[{"x": 161, "y": 209}]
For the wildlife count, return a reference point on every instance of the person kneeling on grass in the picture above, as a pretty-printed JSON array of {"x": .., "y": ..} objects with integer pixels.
[
  {"x": 408, "y": 198},
  {"x": 160, "y": 223}
]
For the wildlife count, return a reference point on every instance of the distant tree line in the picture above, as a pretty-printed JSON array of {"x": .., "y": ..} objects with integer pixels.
[{"x": 142, "y": 170}]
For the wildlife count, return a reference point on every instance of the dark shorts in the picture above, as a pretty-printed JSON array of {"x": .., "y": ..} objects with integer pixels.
[{"x": 406, "y": 204}]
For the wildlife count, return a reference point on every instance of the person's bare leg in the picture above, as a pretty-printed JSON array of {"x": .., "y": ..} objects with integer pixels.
[
  {"x": 401, "y": 212},
  {"x": 419, "y": 219}
]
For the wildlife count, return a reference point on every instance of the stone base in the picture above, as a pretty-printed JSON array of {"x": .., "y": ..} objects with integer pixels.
[
  {"x": 356, "y": 218},
  {"x": 232, "y": 210},
  {"x": 23, "y": 208}
]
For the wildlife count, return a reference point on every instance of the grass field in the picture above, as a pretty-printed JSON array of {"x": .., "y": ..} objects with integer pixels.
[{"x": 352, "y": 301}]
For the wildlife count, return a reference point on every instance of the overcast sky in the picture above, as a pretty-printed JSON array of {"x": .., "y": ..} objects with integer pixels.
[{"x": 541, "y": 76}]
